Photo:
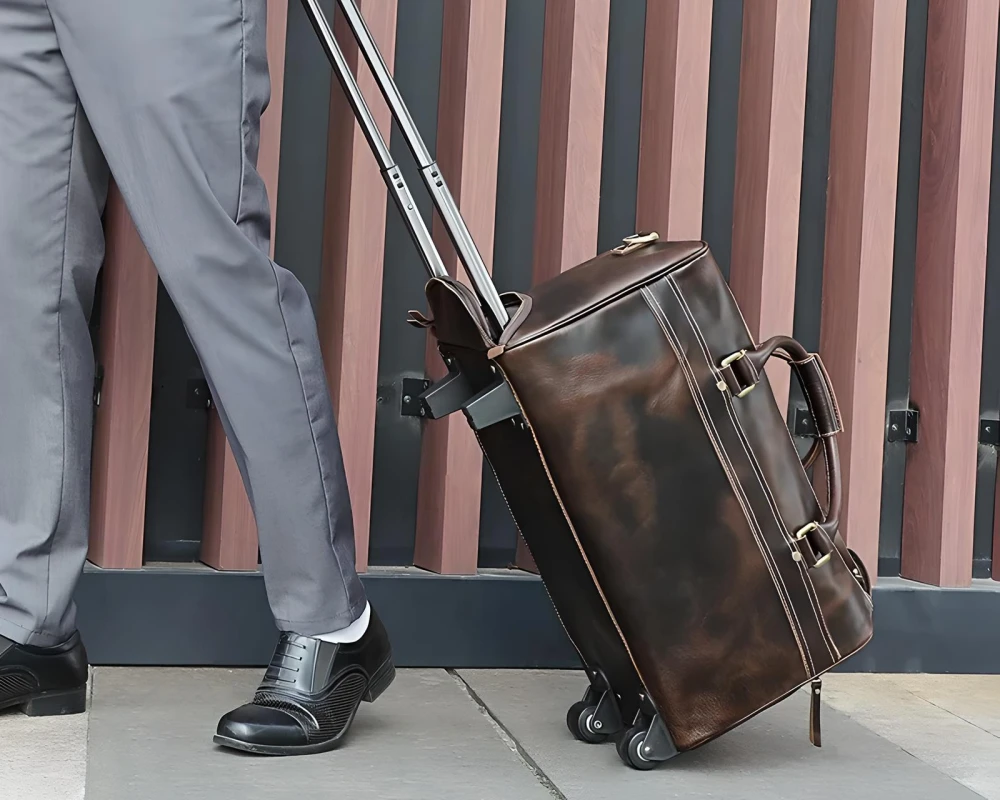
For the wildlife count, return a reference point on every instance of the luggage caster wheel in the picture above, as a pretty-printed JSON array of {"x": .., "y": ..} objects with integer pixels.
[
  {"x": 629, "y": 747},
  {"x": 579, "y": 720}
]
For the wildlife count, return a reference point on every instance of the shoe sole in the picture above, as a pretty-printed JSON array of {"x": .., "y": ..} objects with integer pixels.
[
  {"x": 378, "y": 683},
  {"x": 53, "y": 703}
]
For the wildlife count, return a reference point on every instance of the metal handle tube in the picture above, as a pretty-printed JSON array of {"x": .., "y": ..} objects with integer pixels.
[
  {"x": 452, "y": 218},
  {"x": 391, "y": 173}
]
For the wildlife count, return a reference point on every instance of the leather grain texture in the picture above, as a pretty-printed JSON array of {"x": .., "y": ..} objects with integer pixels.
[{"x": 661, "y": 502}]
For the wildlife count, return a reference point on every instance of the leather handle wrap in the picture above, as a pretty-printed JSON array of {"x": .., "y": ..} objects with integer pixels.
[{"x": 818, "y": 389}]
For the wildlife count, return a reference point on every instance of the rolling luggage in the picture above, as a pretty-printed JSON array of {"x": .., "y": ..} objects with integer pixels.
[{"x": 625, "y": 411}]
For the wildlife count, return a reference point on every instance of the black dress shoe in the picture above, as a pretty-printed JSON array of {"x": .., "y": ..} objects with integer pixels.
[
  {"x": 44, "y": 681},
  {"x": 310, "y": 694}
]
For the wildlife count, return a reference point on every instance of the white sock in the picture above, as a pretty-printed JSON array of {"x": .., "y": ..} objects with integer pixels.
[{"x": 352, "y": 632}]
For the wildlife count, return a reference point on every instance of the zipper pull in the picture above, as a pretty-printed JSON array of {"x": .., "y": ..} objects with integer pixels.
[{"x": 815, "y": 731}]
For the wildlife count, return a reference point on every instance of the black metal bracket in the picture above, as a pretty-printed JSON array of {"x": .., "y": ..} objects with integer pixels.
[
  {"x": 989, "y": 432},
  {"x": 455, "y": 392},
  {"x": 493, "y": 404},
  {"x": 198, "y": 395},
  {"x": 904, "y": 425},
  {"x": 412, "y": 403},
  {"x": 804, "y": 423},
  {"x": 607, "y": 718},
  {"x": 658, "y": 744}
]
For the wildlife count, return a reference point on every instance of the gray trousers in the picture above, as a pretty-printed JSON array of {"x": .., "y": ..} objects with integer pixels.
[{"x": 167, "y": 94}]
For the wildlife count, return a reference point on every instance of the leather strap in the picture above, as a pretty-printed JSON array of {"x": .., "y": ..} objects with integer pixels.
[{"x": 742, "y": 371}]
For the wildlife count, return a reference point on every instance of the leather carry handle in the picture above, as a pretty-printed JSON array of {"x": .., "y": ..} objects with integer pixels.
[{"x": 741, "y": 372}]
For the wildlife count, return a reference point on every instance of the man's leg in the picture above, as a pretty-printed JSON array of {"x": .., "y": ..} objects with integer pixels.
[
  {"x": 53, "y": 184},
  {"x": 174, "y": 92}
]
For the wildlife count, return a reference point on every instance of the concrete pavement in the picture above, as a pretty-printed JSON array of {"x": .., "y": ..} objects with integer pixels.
[{"x": 500, "y": 734}]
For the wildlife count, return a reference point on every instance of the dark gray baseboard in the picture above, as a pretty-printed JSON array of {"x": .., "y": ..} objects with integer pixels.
[{"x": 191, "y": 616}]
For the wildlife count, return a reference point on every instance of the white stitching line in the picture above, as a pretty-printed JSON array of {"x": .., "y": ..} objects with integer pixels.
[
  {"x": 664, "y": 323},
  {"x": 810, "y": 589},
  {"x": 758, "y": 535}
]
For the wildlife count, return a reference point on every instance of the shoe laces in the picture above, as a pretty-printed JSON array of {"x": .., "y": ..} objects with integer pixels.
[{"x": 287, "y": 657}]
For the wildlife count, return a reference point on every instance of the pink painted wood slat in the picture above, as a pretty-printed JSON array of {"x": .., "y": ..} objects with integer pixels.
[
  {"x": 121, "y": 428},
  {"x": 949, "y": 295},
  {"x": 468, "y": 141},
  {"x": 770, "y": 125},
  {"x": 857, "y": 269},
  {"x": 672, "y": 134},
  {"x": 570, "y": 142},
  {"x": 353, "y": 253}
]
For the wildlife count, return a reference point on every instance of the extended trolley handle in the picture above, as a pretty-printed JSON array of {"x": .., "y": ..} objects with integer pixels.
[{"x": 458, "y": 231}]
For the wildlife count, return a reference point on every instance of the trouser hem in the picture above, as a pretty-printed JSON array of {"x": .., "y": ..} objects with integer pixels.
[
  {"x": 327, "y": 624},
  {"x": 14, "y": 632}
]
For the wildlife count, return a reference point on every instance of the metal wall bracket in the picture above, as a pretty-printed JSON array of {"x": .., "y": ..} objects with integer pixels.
[
  {"x": 804, "y": 423},
  {"x": 903, "y": 425},
  {"x": 412, "y": 402},
  {"x": 989, "y": 432}
]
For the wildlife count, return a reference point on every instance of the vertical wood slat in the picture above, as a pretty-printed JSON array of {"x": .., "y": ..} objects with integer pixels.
[
  {"x": 857, "y": 269},
  {"x": 952, "y": 223},
  {"x": 770, "y": 129},
  {"x": 468, "y": 141},
  {"x": 229, "y": 533},
  {"x": 674, "y": 118},
  {"x": 570, "y": 142},
  {"x": 353, "y": 253},
  {"x": 121, "y": 427}
]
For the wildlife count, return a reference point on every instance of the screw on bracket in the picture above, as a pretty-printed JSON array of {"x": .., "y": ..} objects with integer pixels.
[
  {"x": 989, "y": 432},
  {"x": 903, "y": 425},
  {"x": 411, "y": 404}
]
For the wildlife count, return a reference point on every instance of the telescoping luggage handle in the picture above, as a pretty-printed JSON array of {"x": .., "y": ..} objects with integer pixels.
[{"x": 458, "y": 231}]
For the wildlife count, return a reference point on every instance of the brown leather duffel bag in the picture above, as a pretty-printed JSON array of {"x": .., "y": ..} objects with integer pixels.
[
  {"x": 627, "y": 416},
  {"x": 654, "y": 480}
]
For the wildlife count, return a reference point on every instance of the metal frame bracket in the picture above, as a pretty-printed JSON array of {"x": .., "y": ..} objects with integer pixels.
[{"x": 904, "y": 425}]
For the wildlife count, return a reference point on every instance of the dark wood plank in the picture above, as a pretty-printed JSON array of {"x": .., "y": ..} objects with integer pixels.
[
  {"x": 857, "y": 269},
  {"x": 468, "y": 141},
  {"x": 353, "y": 252},
  {"x": 121, "y": 427},
  {"x": 229, "y": 535},
  {"x": 672, "y": 134},
  {"x": 770, "y": 125},
  {"x": 952, "y": 223},
  {"x": 570, "y": 142}
]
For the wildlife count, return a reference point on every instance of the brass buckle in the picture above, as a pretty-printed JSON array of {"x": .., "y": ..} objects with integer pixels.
[
  {"x": 805, "y": 530},
  {"x": 728, "y": 361},
  {"x": 803, "y": 533},
  {"x": 732, "y": 359},
  {"x": 634, "y": 242}
]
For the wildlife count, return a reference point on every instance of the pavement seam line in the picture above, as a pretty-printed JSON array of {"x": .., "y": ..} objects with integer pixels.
[
  {"x": 507, "y": 737},
  {"x": 953, "y": 714}
]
